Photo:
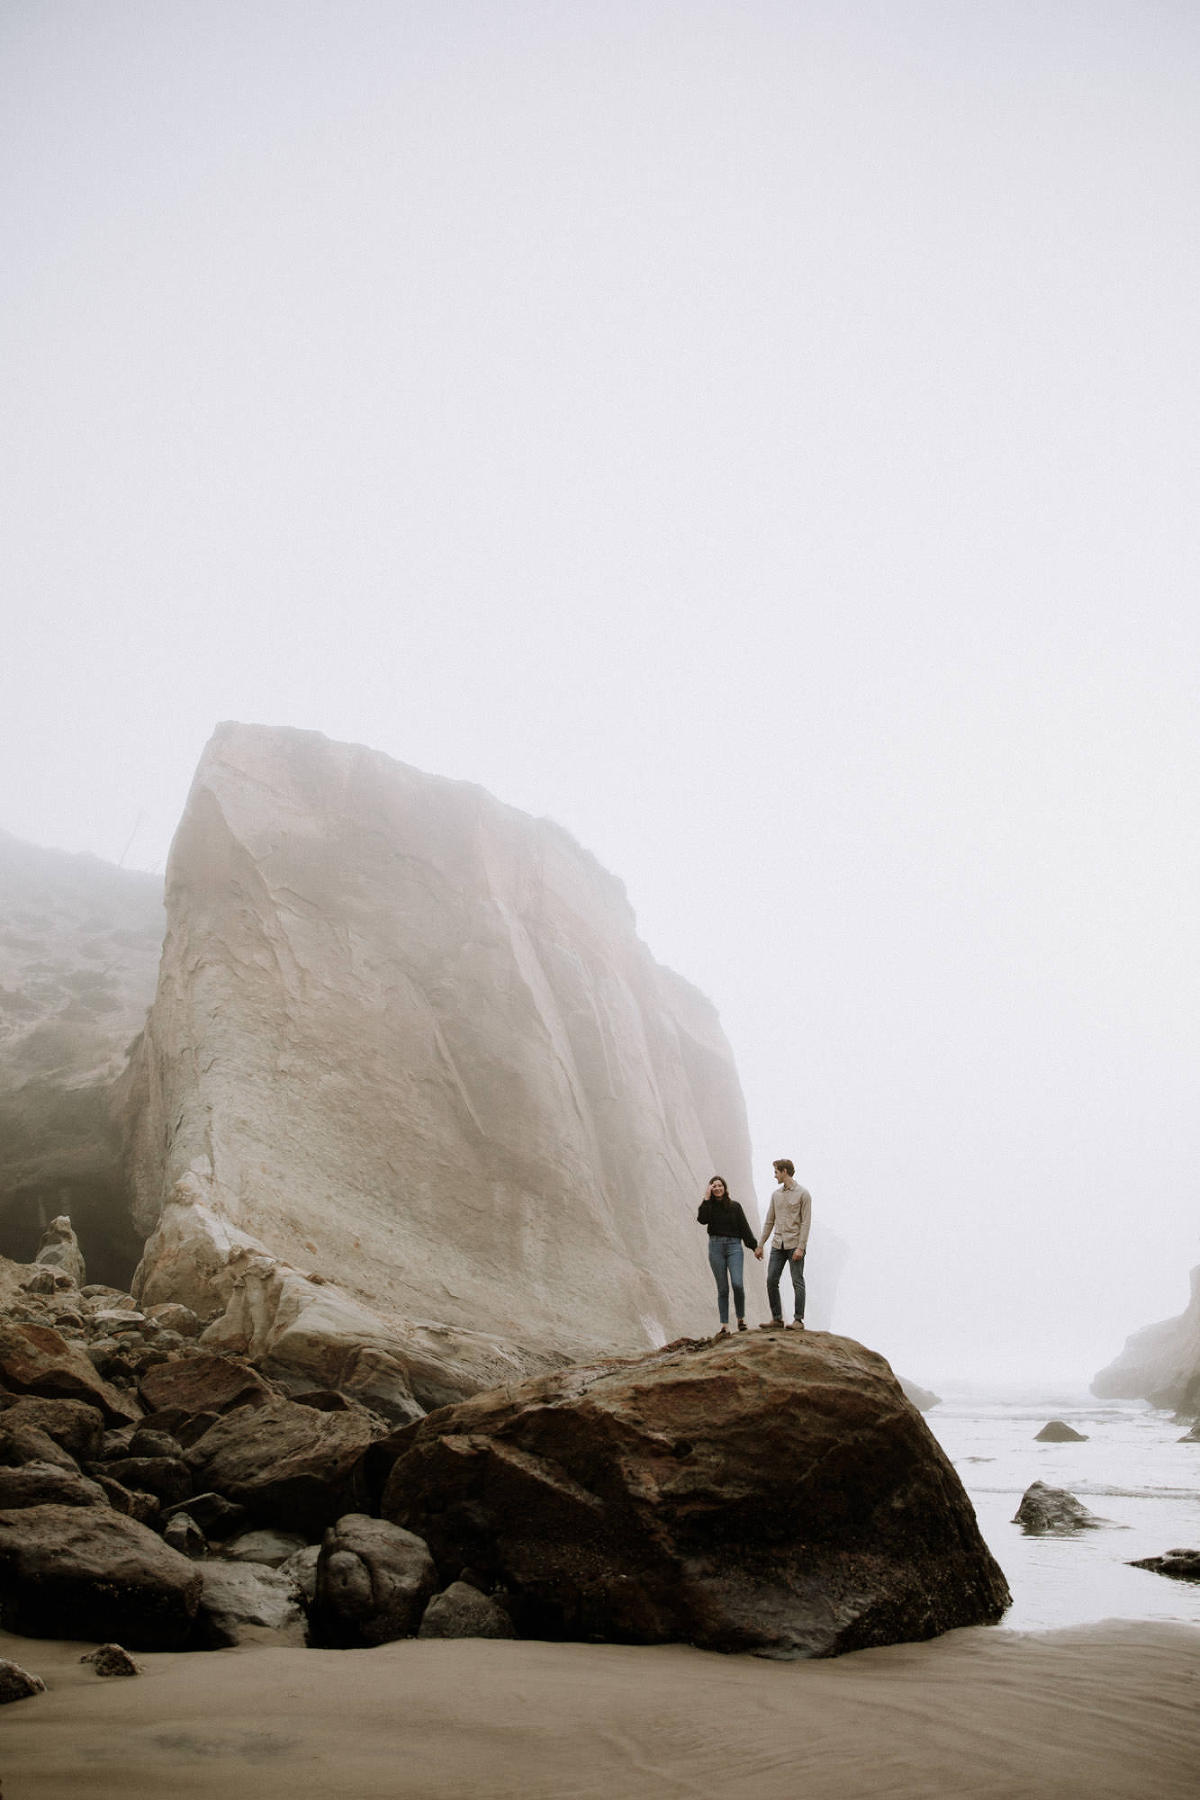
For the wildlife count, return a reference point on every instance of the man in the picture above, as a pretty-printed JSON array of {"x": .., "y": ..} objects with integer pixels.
[{"x": 790, "y": 1212}]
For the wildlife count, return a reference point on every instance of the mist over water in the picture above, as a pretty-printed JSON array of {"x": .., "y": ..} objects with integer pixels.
[{"x": 760, "y": 438}]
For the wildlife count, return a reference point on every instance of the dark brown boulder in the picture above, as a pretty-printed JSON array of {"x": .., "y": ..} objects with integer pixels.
[
  {"x": 42, "y": 1484},
  {"x": 168, "y": 1478},
  {"x": 288, "y": 1465},
  {"x": 1053, "y": 1510},
  {"x": 1181, "y": 1565},
  {"x": 89, "y": 1572},
  {"x": 76, "y": 1426},
  {"x": 35, "y": 1359},
  {"x": 1056, "y": 1431},
  {"x": 21, "y": 1444},
  {"x": 17, "y": 1683},
  {"x": 373, "y": 1581},
  {"x": 463, "y": 1612},
  {"x": 196, "y": 1384},
  {"x": 775, "y": 1493}
]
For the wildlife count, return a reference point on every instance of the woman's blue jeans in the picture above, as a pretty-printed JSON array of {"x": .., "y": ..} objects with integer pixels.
[{"x": 725, "y": 1261}]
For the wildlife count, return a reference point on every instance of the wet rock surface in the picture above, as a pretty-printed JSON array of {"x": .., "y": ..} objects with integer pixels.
[
  {"x": 776, "y": 1494},
  {"x": 17, "y": 1683},
  {"x": 1181, "y": 1565},
  {"x": 1053, "y": 1510}
]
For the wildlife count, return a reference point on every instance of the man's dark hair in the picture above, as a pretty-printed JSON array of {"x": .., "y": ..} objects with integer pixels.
[{"x": 786, "y": 1164}]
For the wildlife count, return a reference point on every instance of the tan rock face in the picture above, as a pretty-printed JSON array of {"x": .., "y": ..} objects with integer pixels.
[
  {"x": 79, "y": 947},
  {"x": 409, "y": 1066}
]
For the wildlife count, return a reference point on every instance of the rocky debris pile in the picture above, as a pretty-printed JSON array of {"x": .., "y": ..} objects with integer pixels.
[
  {"x": 1182, "y": 1565},
  {"x": 1054, "y": 1511},
  {"x": 1056, "y": 1431},
  {"x": 775, "y": 1493}
]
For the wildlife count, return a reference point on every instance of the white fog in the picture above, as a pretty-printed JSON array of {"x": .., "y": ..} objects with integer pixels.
[{"x": 760, "y": 437}]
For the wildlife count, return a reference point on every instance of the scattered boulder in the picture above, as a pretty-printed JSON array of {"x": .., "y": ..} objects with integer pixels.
[
  {"x": 461, "y": 1611},
  {"x": 148, "y": 1442},
  {"x": 59, "y": 1249},
  {"x": 111, "y": 1660},
  {"x": 197, "y": 1384},
  {"x": 75, "y": 1425},
  {"x": 237, "y": 1595},
  {"x": 373, "y": 1582},
  {"x": 775, "y": 1493},
  {"x": 1181, "y": 1565},
  {"x": 1055, "y": 1431},
  {"x": 288, "y": 1465},
  {"x": 128, "y": 1501},
  {"x": 182, "y": 1533},
  {"x": 216, "y": 1517},
  {"x": 274, "y": 1548},
  {"x": 89, "y": 1572},
  {"x": 302, "y": 1567},
  {"x": 170, "y": 1315},
  {"x": 21, "y": 1444},
  {"x": 17, "y": 1683},
  {"x": 168, "y": 1478},
  {"x": 42, "y": 1484},
  {"x": 36, "y": 1359},
  {"x": 1053, "y": 1510}
]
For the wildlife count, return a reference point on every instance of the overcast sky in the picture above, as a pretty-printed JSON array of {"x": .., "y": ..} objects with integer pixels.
[{"x": 762, "y": 437}]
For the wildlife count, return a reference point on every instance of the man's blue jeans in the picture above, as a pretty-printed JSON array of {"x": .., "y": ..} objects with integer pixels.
[
  {"x": 780, "y": 1260},
  {"x": 725, "y": 1261}
]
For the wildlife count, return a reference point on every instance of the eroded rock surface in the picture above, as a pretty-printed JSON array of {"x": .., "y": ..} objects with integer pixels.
[
  {"x": 774, "y": 1493},
  {"x": 88, "y": 1572},
  {"x": 410, "y": 1071},
  {"x": 372, "y": 1583}
]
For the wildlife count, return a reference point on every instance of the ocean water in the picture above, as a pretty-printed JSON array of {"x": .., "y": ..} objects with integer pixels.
[{"x": 1133, "y": 1471}]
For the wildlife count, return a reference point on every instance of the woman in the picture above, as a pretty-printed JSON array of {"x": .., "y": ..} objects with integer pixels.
[{"x": 728, "y": 1230}]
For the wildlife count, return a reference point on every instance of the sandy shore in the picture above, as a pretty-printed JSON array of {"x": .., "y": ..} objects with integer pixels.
[{"x": 1104, "y": 1711}]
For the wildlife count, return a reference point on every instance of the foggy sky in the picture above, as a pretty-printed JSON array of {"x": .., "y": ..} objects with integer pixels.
[{"x": 762, "y": 437}]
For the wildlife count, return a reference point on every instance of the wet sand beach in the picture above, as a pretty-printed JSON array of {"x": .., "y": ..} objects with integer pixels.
[{"x": 1103, "y": 1712}]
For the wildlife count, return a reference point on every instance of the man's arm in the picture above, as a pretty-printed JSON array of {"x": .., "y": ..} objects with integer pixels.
[
  {"x": 768, "y": 1227},
  {"x": 805, "y": 1224}
]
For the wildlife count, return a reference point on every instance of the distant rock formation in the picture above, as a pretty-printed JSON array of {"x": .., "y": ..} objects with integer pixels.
[
  {"x": 79, "y": 947},
  {"x": 412, "y": 1089},
  {"x": 924, "y": 1399},
  {"x": 1160, "y": 1364}
]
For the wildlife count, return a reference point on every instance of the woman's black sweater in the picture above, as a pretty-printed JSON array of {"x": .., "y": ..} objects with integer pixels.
[{"x": 725, "y": 1218}]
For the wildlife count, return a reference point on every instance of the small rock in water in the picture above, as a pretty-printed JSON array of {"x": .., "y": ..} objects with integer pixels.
[
  {"x": 1183, "y": 1565},
  {"x": 17, "y": 1683},
  {"x": 1050, "y": 1509},
  {"x": 1056, "y": 1432},
  {"x": 111, "y": 1659}
]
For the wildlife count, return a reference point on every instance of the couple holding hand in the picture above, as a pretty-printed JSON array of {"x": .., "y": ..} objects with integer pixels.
[{"x": 787, "y": 1223}]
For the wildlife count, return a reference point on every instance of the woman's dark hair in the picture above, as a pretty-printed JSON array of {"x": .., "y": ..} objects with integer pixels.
[{"x": 723, "y": 1183}]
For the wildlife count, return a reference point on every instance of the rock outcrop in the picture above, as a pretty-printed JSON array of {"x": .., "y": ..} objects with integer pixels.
[
  {"x": 87, "y": 1572},
  {"x": 775, "y": 1493},
  {"x": 1160, "y": 1364},
  {"x": 1180, "y": 1565},
  {"x": 414, "y": 1107},
  {"x": 79, "y": 949},
  {"x": 1057, "y": 1431},
  {"x": 1053, "y": 1511}
]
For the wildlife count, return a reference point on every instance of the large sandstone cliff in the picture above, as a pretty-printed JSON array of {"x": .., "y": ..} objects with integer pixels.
[
  {"x": 79, "y": 944},
  {"x": 1160, "y": 1364},
  {"x": 406, "y": 1041}
]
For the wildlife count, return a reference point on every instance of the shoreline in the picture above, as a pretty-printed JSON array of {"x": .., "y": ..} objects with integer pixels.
[{"x": 1095, "y": 1712}]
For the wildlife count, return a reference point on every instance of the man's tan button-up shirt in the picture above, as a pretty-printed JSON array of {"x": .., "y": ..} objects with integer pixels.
[{"x": 790, "y": 1213}]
